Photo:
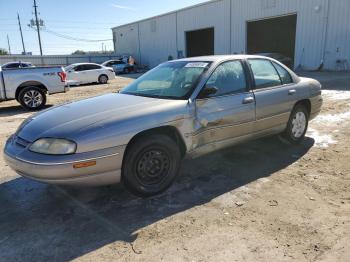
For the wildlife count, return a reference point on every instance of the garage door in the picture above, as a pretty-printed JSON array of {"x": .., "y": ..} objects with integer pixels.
[
  {"x": 273, "y": 35},
  {"x": 200, "y": 42}
]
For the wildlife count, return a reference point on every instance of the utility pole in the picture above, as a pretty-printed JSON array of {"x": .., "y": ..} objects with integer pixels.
[
  {"x": 8, "y": 42},
  {"x": 37, "y": 26},
  {"x": 20, "y": 29}
]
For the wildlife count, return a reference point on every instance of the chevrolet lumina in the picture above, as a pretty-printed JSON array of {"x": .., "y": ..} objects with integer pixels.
[{"x": 186, "y": 107}]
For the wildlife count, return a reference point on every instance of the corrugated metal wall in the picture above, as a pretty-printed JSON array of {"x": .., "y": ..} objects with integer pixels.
[
  {"x": 158, "y": 39},
  {"x": 322, "y": 33},
  {"x": 215, "y": 14},
  {"x": 338, "y": 34},
  {"x": 309, "y": 31}
]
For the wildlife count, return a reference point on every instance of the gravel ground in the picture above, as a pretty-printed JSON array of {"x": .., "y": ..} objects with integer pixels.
[{"x": 261, "y": 200}]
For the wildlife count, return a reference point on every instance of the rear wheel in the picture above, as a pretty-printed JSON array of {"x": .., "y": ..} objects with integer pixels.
[
  {"x": 103, "y": 79},
  {"x": 32, "y": 98},
  {"x": 297, "y": 125},
  {"x": 151, "y": 164}
]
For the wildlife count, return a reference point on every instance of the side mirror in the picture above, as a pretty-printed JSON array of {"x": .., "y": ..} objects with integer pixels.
[{"x": 208, "y": 91}]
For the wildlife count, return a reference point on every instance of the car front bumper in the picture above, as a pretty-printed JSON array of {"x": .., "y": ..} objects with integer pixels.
[{"x": 106, "y": 168}]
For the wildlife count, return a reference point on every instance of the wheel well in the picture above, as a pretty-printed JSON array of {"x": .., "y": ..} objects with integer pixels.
[
  {"x": 103, "y": 75},
  {"x": 306, "y": 103},
  {"x": 169, "y": 131},
  {"x": 30, "y": 83}
]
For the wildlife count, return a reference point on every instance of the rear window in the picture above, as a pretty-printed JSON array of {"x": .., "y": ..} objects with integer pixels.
[{"x": 13, "y": 65}]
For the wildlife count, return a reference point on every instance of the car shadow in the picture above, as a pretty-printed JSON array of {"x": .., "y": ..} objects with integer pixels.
[{"x": 42, "y": 222}]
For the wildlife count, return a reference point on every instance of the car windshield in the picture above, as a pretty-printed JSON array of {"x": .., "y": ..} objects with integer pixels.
[{"x": 172, "y": 80}]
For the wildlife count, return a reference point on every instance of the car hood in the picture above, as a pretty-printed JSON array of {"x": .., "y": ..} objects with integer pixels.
[{"x": 72, "y": 119}]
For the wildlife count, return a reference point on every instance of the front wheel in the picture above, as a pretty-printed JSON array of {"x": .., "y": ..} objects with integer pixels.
[
  {"x": 297, "y": 125},
  {"x": 151, "y": 164},
  {"x": 32, "y": 98}
]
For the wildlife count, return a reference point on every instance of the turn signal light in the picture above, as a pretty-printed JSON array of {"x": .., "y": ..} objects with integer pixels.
[{"x": 84, "y": 164}]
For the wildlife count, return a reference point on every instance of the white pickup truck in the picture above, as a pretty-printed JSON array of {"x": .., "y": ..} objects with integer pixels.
[{"x": 29, "y": 86}]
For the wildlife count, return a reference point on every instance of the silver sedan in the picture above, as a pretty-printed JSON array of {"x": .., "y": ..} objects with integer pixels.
[{"x": 186, "y": 107}]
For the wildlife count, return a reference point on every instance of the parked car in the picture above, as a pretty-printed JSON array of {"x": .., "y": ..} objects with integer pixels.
[
  {"x": 186, "y": 107},
  {"x": 84, "y": 73},
  {"x": 17, "y": 64},
  {"x": 120, "y": 66},
  {"x": 29, "y": 86},
  {"x": 279, "y": 57}
]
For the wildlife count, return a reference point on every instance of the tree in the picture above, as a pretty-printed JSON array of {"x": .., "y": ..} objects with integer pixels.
[
  {"x": 78, "y": 52},
  {"x": 3, "y": 51}
]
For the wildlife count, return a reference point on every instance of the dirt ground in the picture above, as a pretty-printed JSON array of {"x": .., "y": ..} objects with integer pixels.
[{"x": 259, "y": 201}]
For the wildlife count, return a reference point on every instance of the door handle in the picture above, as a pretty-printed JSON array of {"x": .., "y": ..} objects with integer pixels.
[
  {"x": 248, "y": 100},
  {"x": 291, "y": 92}
]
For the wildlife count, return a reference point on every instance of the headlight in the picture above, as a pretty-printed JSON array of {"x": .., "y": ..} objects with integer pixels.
[{"x": 53, "y": 146}]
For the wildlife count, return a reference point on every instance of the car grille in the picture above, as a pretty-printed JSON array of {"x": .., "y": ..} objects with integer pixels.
[{"x": 21, "y": 142}]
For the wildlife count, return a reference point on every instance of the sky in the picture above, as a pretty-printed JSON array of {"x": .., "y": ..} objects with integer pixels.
[{"x": 84, "y": 19}]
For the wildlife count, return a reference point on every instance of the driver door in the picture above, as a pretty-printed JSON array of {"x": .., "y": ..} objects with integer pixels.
[
  {"x": 76, "y": 74},
  {"x": 228, "y": 115}
]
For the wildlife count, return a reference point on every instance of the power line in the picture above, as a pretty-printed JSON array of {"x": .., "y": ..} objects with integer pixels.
[{"x": 74, "y": 38}]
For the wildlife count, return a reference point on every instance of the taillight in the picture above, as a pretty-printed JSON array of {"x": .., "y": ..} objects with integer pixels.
[{"x": 63, "y": 76}]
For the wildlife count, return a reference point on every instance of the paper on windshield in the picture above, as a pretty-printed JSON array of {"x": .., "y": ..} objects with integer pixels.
[{"x": 197, "y": 64}]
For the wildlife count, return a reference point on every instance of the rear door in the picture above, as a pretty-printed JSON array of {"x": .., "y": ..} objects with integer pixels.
[
  {"x": 275, "y": 94},
  {"x": 230, "y": 112}
]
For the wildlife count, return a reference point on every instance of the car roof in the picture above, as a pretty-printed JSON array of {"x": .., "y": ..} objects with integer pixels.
[
  {"x": 77, "y": 64},
  {"x": 112, "y": 61},
  {"x": 17, "y": 62},
  {"x": 218, "y": 58}
]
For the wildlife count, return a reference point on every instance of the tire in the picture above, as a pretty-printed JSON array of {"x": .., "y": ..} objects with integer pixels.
[
  {"x": 32, "y": 98},
  {"x": 151, "y": 164},
  {"x": 126, "y": 71},
  {"x": 103, "y": 79},
  {"x": 297, "y": 125}
]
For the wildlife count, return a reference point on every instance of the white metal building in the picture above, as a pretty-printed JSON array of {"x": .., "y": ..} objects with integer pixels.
[{"x": 312, "y": 32}]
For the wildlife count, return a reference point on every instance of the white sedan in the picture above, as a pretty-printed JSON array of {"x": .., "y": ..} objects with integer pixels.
[{"x": 84, "y": 73}]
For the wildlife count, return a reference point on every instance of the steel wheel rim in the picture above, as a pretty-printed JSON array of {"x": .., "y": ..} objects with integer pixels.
[
  {"x": 32, "y": 98},
  {"x": 298, "y": 124},
  {"x": 152, "y": 167}
]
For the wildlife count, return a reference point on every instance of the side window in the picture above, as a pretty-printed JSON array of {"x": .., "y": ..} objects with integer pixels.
[
  {"x": 92, "y": 67},
  {"x": 228, "y": 78},
  {"x": 265, "y": 75},
  {"x": 285, "y": 76},
  {"x": 80, "y": 68}
]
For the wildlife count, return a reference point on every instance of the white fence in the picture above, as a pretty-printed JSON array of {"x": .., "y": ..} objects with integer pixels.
[{"x": 58, "y": 60}]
